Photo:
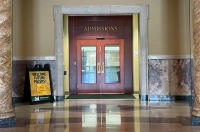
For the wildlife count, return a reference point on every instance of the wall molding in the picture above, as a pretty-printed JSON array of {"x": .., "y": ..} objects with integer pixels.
[
  {"x": 151, "y": 57},
  {"x": 35, "y": 58}
]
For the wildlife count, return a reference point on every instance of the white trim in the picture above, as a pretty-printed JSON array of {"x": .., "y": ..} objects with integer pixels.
[
  {"x": 149, "y": 57},
  {"x": 59, "y": 11},
  {"x": 35, "y": 58},
  {"x": 169, "y": 57}
]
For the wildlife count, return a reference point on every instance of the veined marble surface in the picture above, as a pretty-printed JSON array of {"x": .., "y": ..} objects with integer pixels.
[
  {"x": 169, "y": 77},
  {"x": 165, "y": 76},
  {"x": 6, "y": 110}
]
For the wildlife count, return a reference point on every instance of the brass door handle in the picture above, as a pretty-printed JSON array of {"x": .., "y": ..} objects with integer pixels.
[
  {"x": 102, "y": 68},
  {"x": 98, "y": 67}
]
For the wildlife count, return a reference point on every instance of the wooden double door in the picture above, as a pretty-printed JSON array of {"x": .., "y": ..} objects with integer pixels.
[{"x": 100, "y": 66}]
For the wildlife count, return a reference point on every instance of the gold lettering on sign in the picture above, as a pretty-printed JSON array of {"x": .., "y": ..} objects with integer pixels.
[{"x": 100, "y": 28}]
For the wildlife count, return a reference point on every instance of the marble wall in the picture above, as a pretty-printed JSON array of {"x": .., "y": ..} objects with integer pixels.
[
  {"x": 167, "y": 78},
  {"x": 19, "y": 70}
]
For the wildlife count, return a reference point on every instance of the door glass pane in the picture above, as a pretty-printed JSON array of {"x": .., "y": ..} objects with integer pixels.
[
  {"x": 88, "y": 64},
  {"x": 112, "y": 63}
]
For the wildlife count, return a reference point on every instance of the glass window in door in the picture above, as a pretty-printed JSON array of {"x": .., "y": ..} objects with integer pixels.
[
  {"x": 112, "y": 63},
  {"x": 88, "y": 54}
]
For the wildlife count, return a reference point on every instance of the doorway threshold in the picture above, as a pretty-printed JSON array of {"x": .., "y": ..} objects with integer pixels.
[{"x": 101, "y": 96}]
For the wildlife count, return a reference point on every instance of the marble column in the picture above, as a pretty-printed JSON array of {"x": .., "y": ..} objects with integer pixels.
[{"x": 6, "y": 109}]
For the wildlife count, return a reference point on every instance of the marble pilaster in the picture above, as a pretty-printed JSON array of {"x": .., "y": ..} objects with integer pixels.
[
  {"x": 196, "y": 54},
  {"x": 6, "y": 110}
]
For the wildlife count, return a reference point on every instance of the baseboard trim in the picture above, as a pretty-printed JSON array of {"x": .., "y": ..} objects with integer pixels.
[
  {"x": 195, "y": 120},
  {"x": 20, "y": 99},
  {"x": 7, "y": 122},
  {"x": 143, "y": 97},
  {"x": 136, "y": 92},
  {"x": 59, "y": 98},
  {"x": 66, "y": 92},
  {"x": 17, "y": 99},
  {"x": 170, "y": 98}
]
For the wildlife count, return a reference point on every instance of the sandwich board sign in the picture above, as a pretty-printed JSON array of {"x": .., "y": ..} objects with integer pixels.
[{"x": 38, "y": 85}]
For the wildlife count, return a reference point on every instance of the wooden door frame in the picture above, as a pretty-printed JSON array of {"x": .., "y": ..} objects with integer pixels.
[
  {"x": 100, "y": 86},
  {"x": 59, "y": 11}
]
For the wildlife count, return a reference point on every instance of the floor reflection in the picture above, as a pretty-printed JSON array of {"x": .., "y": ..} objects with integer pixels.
[
  {"x": 103, "y": 116},
  {"x": 99, "y": 115},
  {"x": 40, "y": 120}
]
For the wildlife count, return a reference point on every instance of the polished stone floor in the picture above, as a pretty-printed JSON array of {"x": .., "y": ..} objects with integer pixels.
[{"x": 129, "y": 115}]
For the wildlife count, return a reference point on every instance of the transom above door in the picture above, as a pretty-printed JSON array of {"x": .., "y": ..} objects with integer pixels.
[{"x": 100, "y": 66}]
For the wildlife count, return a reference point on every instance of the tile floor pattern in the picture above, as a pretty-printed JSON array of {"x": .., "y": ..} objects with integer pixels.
[{"x": 103, "y": 116}]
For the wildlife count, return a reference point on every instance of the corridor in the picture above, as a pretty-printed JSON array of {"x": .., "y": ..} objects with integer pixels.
[{"x": 124, "y": 115}]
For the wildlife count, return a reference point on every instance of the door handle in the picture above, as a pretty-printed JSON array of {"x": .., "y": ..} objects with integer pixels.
[
  {"x": 102, "y": 68},
  {"x": 98, "y": 67}
]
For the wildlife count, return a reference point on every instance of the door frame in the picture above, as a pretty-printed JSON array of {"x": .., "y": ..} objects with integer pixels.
[
  {"x": 59, "y": 11},
  {"x": 100, "y": 86}
]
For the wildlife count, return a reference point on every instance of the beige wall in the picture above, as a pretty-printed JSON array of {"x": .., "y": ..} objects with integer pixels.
[{"x": 33, "y": 31}]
